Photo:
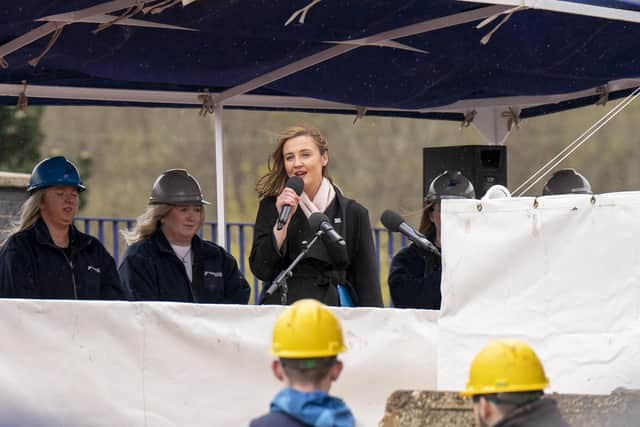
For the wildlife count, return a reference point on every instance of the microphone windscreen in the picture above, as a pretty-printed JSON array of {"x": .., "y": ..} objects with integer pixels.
[
  {"x": 296, "y": 184},
  {"x": 316, "y": 219},
  {"x": 391, "y": 220}
]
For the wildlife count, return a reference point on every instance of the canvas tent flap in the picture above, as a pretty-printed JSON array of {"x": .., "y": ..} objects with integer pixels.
[
  {"x": 171, "y": 364},
  {"x": 560, "y": 272}
]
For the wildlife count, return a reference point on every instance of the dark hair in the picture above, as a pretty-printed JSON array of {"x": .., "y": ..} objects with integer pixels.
[
  {"x": 426, "y": 225},
  {"x": 509, "y": 402},
  {"x": 308, "y": 371}
]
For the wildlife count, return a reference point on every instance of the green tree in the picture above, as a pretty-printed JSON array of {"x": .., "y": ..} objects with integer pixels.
[{"x": 20, "y": 138}]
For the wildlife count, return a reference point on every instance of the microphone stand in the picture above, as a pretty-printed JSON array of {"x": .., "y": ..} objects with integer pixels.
[{"x": 281, "y": 280}]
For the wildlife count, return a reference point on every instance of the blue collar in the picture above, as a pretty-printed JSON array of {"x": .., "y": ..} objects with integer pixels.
[{"x": 316, "y": 409}]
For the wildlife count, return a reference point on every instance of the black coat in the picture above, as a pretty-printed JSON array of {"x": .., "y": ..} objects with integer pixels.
[
  {"x": 32, "y": 266},
  {"x": 414, "y": 279},
  {"x": 276, "y": 419},
  {"x": 153, "y": 272},
  {"x": 541, "y": 413},
  {"x": 325, "y": 265}
]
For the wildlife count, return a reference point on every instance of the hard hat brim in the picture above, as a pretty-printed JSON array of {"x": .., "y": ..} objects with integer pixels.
[
  {"x": 178, "y": 203},
  {"x": 32, "y": 189},
  {"x": 515, "y": 388},
  {"x": 299, "y": 354}
]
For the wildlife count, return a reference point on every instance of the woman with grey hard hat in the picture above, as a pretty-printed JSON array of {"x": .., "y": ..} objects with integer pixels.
[
  {"x": 167, "y": 261},
  {"x": 414, "y": 275},
  {"x": 47, "y": 257}
]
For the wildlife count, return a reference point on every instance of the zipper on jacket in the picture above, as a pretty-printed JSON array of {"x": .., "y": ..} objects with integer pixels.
[
  {"x": 73, "y": 277},
  {"x": 186, "y": 276}
]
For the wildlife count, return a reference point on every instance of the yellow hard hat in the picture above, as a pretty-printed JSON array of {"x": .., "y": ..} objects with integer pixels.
[
  {"x": 306, "y": 330},
  {"x": 505, "y": 366}
]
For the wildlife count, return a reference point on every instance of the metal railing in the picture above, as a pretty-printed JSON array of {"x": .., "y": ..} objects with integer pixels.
[{"x": 239, "y": 237}]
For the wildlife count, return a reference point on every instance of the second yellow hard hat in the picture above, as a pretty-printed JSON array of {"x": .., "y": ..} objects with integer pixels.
[{"x": 505, "y": 366}]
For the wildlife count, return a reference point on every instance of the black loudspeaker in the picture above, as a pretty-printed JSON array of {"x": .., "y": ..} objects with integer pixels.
[{"x": 483, "y": 165}]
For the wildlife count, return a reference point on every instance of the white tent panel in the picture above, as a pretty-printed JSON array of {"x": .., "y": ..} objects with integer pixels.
[
  {"x": 561, "y": 272},
  {"x": 167, "y": 364}
]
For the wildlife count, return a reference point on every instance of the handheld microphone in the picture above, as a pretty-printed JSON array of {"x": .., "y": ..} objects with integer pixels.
[
  {"x": 394, "y": 222},
  {"x": 320, "y": 222},
  {"x": 296, "y": 184}
]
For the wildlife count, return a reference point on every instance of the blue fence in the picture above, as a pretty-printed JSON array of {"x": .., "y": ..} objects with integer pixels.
[{"x": 239, "y": 237}]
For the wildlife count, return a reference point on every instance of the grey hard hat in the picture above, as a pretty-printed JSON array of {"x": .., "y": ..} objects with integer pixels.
[
  {"x": 176, "y": 187},
  {"x": 566, "y": 181},
  {"x": 450, "y": 185}
]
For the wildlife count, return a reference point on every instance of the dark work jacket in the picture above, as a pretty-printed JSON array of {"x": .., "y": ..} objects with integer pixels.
[
  {"x": 541, "y": 413},
  {"x": 32, "y": 266},
  {"x": 153, "y": 272},
  {"x": 325, "y": 265},
  {"x": 414, "y": 278},
  {"x": 276, "y": 419}
]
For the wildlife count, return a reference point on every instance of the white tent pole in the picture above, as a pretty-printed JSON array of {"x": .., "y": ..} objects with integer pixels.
[
  {"x": 277, "y": 101},
  {"x": 217, "y": 130},
  {"x": 570, "y": 7}
]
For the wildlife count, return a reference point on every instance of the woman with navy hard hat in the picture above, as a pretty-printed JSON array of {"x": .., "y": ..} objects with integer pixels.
[
  {"x": 46, "y": 256},
  {"x": 414, "y": 275},
  {"x": 167, "y": 261}
]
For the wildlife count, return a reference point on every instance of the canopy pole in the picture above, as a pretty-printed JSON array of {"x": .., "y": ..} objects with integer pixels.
[{"x": 219, "y": 147}]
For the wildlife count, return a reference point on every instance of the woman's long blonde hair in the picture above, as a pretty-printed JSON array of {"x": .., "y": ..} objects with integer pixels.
[
  {"x": 273, "y": 182},
  {"x": 30, "y": 210},
  {"x": 146, "y": 223},
  {"x": 29, "y": 213}
]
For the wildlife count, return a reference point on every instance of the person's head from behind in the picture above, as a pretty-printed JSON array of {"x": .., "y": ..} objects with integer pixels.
[
  {"x": 177, "y": 203},
  {"x": 53, "y": 194},
  {"x": 307, "y": 338},
  {"x": 300, "y": 151},
  {"x": 447, "y": 185},
  {"x": 504, "y": 376},
  {"x": 566, "y": 181}
]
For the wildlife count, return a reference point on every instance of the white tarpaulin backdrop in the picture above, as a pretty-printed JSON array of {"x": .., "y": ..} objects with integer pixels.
[
  {"x": 561, "y": 272},
  {"x": 164, "y": 364}
]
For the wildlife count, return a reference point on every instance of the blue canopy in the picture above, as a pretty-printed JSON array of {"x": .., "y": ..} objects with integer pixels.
[
  {"x": 447, "y": 59},
  {"x": 404, "y": 58}
]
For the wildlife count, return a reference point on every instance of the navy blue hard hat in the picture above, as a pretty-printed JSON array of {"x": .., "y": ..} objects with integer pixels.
[{"x": 55, "y": 171}]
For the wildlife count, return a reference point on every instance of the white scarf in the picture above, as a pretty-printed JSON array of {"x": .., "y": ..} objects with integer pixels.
[{"x": 325, "y": 195}]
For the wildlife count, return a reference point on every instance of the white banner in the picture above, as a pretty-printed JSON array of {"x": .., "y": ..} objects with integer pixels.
[
  {"x": 164, "y": 364},
  {"x": 561, "y": 272}
]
